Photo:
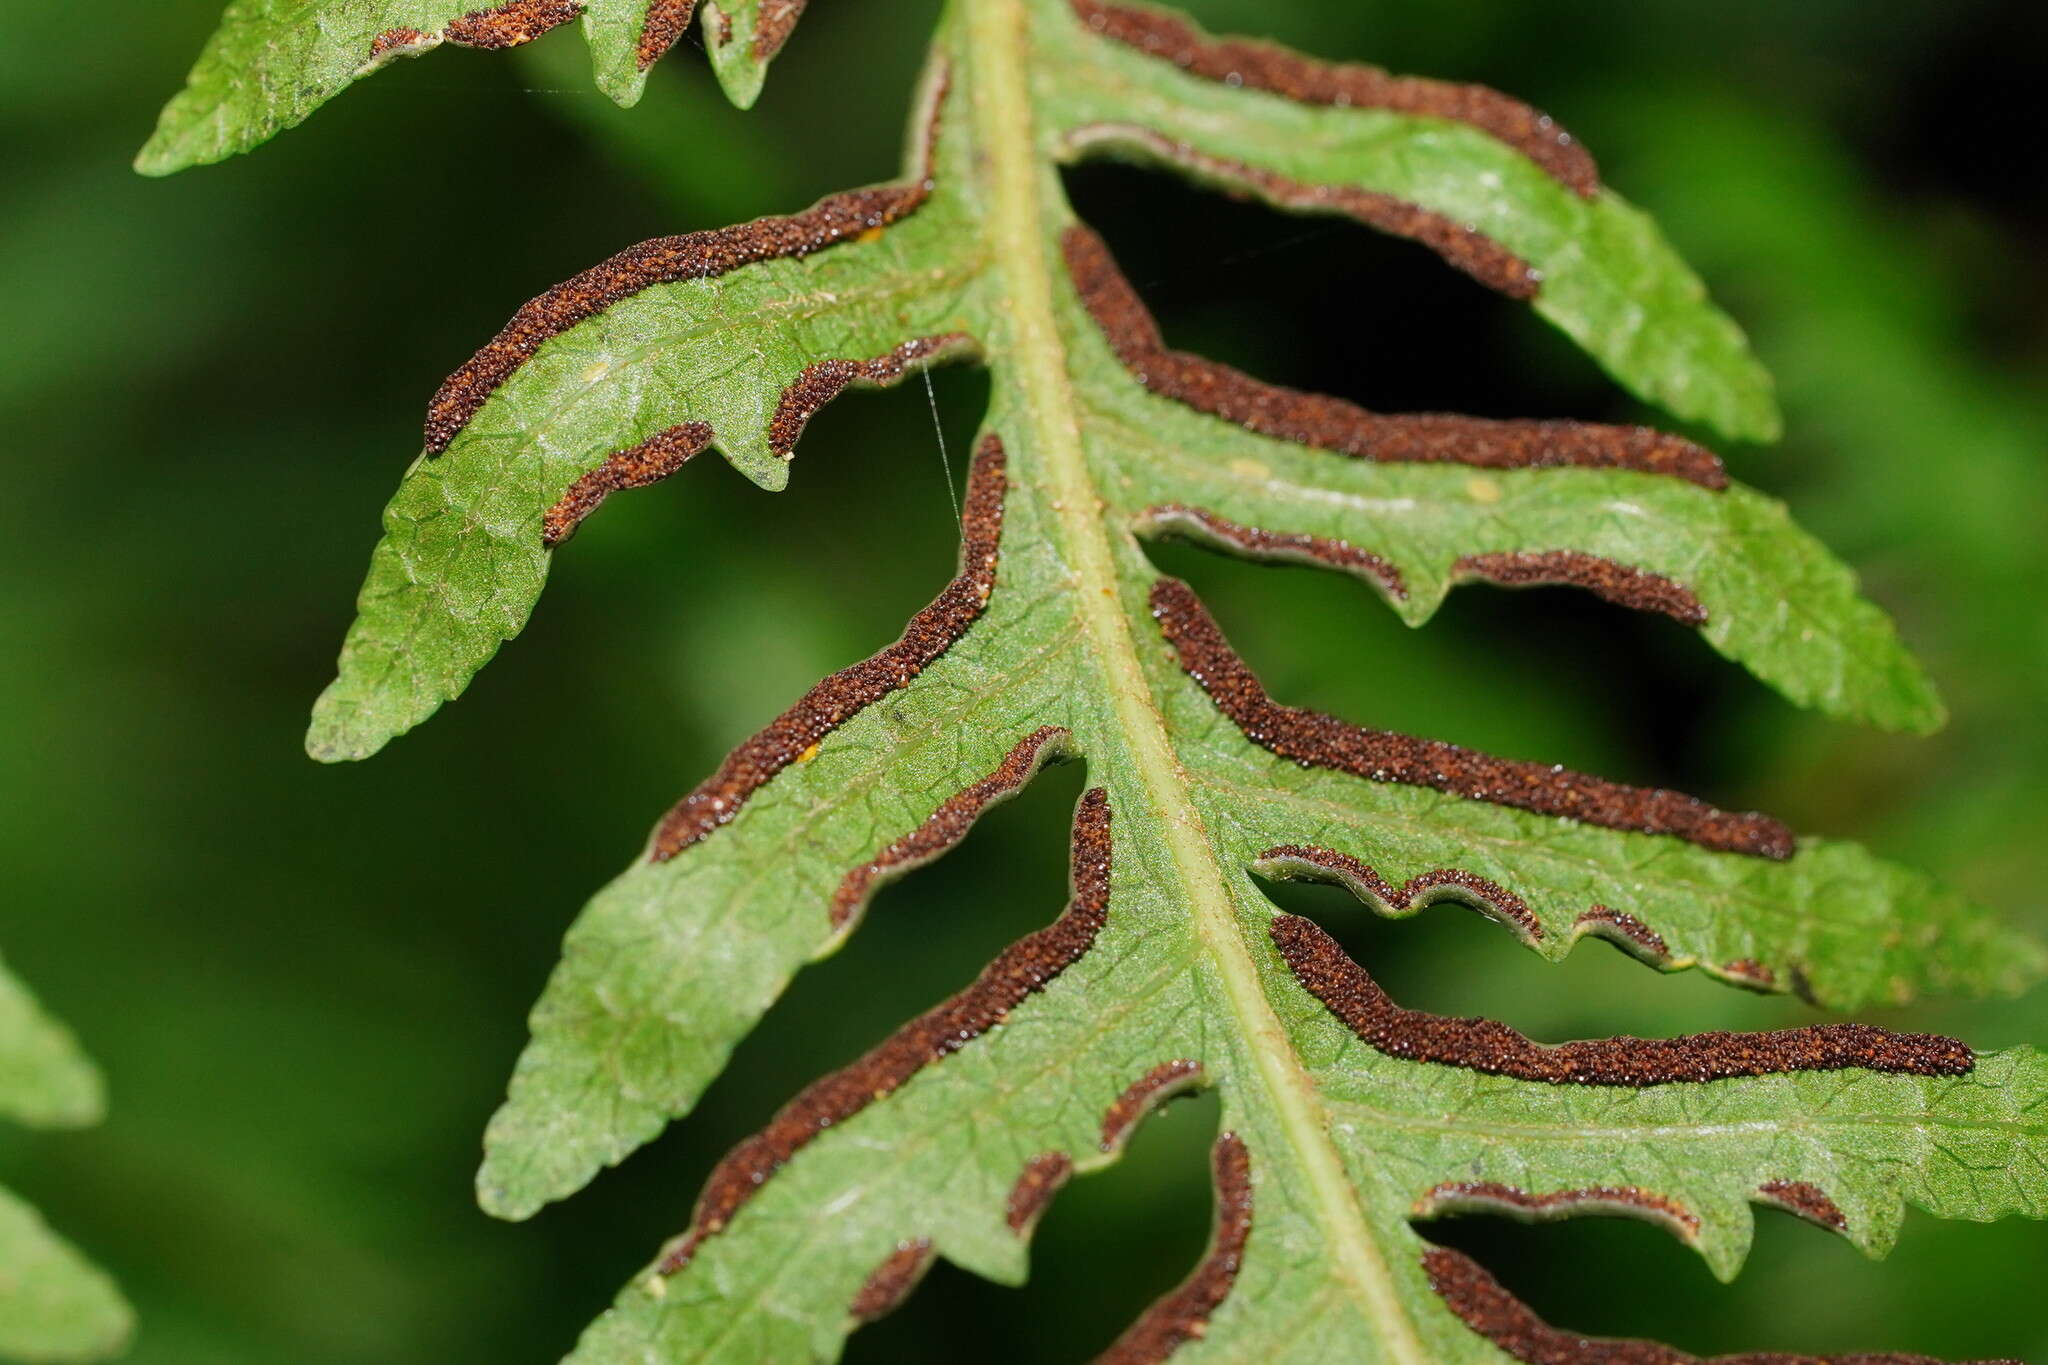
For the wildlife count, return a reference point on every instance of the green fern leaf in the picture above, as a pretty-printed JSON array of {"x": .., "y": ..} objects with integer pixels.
[
  {"x": 1350, "y": 1121},
  {"x": 273, "y": 62},
  {"x": 54, "y": 1304}
]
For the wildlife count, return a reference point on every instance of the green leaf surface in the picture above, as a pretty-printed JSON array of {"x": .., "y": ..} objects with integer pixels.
[
  {"x": 54, "y": 1304},
  {"x": 45, "y": 1081},
  {"x": 271, "y": 63},
  {"x": 1350, "y": 1122}
]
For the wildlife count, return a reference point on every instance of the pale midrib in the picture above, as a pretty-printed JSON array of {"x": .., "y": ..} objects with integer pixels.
[{"x": 997, "y": 38}]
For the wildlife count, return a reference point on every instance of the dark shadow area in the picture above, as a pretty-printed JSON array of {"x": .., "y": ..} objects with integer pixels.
[
  {"x": 1325, "y": 304},
  {"x": 1939, "y": 141},
  {"x": 1802, "y": 1289},
  {"x": 682, "y": 595}
]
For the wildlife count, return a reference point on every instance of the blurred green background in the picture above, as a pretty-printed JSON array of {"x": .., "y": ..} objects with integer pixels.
[{"x": 308, "y": 984}]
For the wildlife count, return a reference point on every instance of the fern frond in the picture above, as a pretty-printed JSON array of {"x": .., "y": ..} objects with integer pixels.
[{"x": 1349, "y": 1121}]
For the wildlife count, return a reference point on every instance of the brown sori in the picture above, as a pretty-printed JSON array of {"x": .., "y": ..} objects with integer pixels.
[
  {"x": 824, "y": 381},
  {"x": 1145, "y": 1094},
  {"x": 1024, "y": 968},
  {"x": 663, "y": 23},
  {"x": 773, "y": 25},
  {"x": 1204, "y": 526},
  {"x": 1265, "y": 66},
  {"x": 1463, "y": 248},
  {"x": 1638, "y": 589},
  {"x": 667, "y": 260},
  {"x": 1462, "y": 1195},
  {"x": 1328, "y": 423},
  {"x": 1747, "y": 971},
  {"x": 398, "y": 40},
  {"x": 1488, "y": 1046},
  {"x": 649, "y": 462},
  {"x": 850, "y": 691},
  {"x": 1184, "y": 1314},
  {"x": 1037, "y": 1183},
  {"x": 949, "y": 824},
  {"x": 890, "y": 1283},
  {"x": 1425, "y": 888},
  {"x": 1620, "y": 927},
  {"x": 509, "y": 25},
  {"x": 1487, "y": 1308},
  {"x": 1810, "y": 1202},
  {"x": 1318, "y": 741}
]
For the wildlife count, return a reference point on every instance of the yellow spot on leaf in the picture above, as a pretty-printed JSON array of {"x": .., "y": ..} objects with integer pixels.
[
  {"x": 1483, "y": 489},
  {"x": 808, "y": 754},
  {"x": 596, "y": 370},
  {"x": 1250, "y": 469},
  {"x": 873, "y": 234}
]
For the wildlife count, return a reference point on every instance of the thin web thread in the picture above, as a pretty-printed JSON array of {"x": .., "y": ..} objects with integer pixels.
[{"x": 945, "y": 460}]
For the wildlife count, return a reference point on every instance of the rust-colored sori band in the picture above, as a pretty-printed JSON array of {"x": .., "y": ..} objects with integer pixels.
[
  {"x": 850, "y": 691},
  {"x": 948, "y": 825},
  {"x": 663, "y": 23},
  {"x": 1461, "y": 247},
  {"x": 1024, "y": 968},
  {"x": 1485, "y": 1306},
  {"x": 1318, "y": 741},
  {"x": 1607, "y": 579},
  {"x": 1462, "y": 1196},
  {"x": 398, "y": 40},
  {"x": 637, "y": 466},
  {"x": 1486, "y": 1045},
  {"x": 1205, "y": 527},
  {"x": 825, "y": 380},
  {"x": 1625, "y": 931},
  {"x": 1278, "y": 71},
  {"x": 1035, "y": 1186},
  {"x": 501, "y": 26},
  {"x": 509, "y": 25},
  {"x": 1810, "y": 1202},
  {"x": 1184, "y": 1314},
  {"x": 1309, "y": 863},
  {"x": 668, "y": 260},
  {"x": 1145, "y": 1094},
  {"x": 890, "y": 1283},
  {"x": 1327, "y": 423},
  {"x": 776, "y": 20}
]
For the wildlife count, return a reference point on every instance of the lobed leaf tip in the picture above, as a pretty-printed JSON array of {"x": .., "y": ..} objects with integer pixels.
[
  {"x": 336, "y": 733},
  {"x": 1741, "y": 406},
  {"x": 84, "y": 1105},
  {"x": 729, "y": 43},
  {"x": 500, "y": 1199},
  {"x": 1925, "y": 712},
  {"x": 156, "y": 160},
  {"x": 526, "y": 1165}
]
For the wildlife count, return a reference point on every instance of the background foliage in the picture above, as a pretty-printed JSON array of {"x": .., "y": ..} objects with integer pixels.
[{"x": 307, "y": 984}]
